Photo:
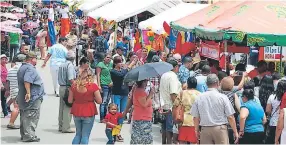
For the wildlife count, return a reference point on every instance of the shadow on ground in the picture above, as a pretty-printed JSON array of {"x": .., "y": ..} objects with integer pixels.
[{"x": 10, "y": 139}]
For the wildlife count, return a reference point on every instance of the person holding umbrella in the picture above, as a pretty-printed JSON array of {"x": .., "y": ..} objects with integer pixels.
[{"x": 141, "y": 97}]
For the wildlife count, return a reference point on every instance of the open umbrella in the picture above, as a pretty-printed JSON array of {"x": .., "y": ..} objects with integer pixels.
[
  {"x": 17, "y": 9},
  {"x": 10, "y": 15},
  {"x": 147, "y": 71},
  {"x": 20, "y": 15},
  {"x": 5, "y": 4},
  {"x": 10, "y": 29},
  {"x": 9, "y": 23}
]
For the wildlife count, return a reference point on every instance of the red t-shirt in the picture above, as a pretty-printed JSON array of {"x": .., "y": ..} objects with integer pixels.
[
  {"x": 83, "y": 105},
  {"x": 252, "y": 74},
  {"x": 140, "y": 112},
  {"x": 112, "y": 118},
  {"x": 283, "y": 102}
]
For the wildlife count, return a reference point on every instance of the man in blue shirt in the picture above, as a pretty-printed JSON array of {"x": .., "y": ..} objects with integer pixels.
[
  {"x": 184, "y": 71},
  {"x": 30, "y": 97},
  {"x": 124, "y": 44},
  {"x": 202, "y": 79}
]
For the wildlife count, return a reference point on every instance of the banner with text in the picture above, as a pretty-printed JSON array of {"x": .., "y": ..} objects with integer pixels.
[
  {"x": 272, "y": 53},
  {"x": 210, "y": 51}
]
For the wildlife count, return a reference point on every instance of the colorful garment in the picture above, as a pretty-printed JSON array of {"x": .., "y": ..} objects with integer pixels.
[
  {"x": 141, "y": 132},
  {"x": 173, "y": 38},
  {"x": 156, "y": 98},
  {"x": 184, "y": 74}
]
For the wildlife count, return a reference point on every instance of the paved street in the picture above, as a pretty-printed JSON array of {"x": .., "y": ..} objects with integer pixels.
[{"x": 47, "y": 127}]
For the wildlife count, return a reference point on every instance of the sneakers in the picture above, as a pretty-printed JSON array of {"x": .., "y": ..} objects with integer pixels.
[
  {"x": 68, "y": 131},
  {"x": 35, "y": 139},
  {"x": 57, "y": 95}
]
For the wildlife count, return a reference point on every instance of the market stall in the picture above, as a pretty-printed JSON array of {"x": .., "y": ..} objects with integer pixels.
[
  {"x": 117, "y": 12},
  {"x": 156, "y": 23},
  {"x": 239, "y": 22}
]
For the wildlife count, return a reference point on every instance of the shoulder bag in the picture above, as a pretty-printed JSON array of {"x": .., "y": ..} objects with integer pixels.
[
  {"x": 178, "y": 110},
  {"x": 267, "y": 126},
  {"x": 66, "y": 95}
]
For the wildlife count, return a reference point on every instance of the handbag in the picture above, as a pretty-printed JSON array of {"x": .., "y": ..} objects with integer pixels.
[
  {"x": 66, "y": 94},
  {"x": 178, "y": 110},
  {"x": 267, "y": 126}
]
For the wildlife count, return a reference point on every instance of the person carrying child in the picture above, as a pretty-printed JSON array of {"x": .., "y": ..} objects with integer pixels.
[{"x": 111, "y": 120}]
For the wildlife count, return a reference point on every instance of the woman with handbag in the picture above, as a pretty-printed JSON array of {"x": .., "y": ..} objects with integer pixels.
[
  {"x": 83, "y": 94},
  {"x": 272, "y": 110},
  {"x": 186, "y": 99}
]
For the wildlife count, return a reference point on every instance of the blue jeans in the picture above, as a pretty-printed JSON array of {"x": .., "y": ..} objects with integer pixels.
[
  {"x": 106, "y": 92},
  {"x": 121, "y": 102},
  {"x": 167, "y": 124},
  {"x": 14, "y": 48},
  {"x": 3, "y": 103},
  {"x": 83, "y": 128},
  {"x": 108, "y": 132}
]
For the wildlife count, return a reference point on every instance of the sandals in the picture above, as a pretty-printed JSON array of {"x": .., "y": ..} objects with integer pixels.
[
  {"x": 9, "y": 126},
  {"x": 119, "y": 138}
]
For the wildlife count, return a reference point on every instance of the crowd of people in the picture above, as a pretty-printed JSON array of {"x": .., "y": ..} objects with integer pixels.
[{"x": 218, "y": 107}]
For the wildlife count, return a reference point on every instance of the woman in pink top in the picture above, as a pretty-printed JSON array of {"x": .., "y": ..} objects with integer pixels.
[
  {"x": 142, "y": 114},
  {"x": 4, "y": 73}
]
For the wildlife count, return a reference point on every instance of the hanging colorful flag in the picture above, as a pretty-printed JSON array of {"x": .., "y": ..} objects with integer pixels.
[
  {"x": 173, "y": 38},
  {"x": 51, "y": 27},
  {"x": 189, "y": 36}
]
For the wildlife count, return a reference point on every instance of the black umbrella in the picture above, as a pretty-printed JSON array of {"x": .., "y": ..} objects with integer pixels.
[{"x": 148, "y": 70}]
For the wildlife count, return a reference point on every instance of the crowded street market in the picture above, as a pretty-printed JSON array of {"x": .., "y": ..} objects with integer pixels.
[{"x": 143, "y": 71}]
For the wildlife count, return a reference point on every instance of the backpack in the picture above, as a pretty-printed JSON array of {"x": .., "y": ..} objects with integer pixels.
[{"x": 98, "y": 44}]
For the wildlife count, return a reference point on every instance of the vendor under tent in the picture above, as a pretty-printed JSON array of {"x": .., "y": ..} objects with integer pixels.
[
  {"x": 156, "y": 23},
  {"x": 122, "y": 9},
  {"x": 246, "y": 22},
  {"x": 90, "y": 5}
]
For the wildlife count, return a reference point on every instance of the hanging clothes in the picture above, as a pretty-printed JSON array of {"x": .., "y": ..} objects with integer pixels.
[{"x": 173, "y": 38}]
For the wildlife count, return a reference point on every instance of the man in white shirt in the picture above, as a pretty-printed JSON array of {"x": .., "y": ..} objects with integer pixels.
[
  {"x": 170, "y": 88},
  {"x": 58, "y": 54}
]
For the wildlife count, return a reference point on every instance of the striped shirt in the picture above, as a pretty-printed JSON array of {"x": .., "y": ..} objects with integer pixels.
[
  {"x": 212, "y": 108},
  {"x": 13, "y": 81}
]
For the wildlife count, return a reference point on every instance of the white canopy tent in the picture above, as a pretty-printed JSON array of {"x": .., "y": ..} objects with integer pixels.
[
  {"x": 172, "y": 14},
  {"x": 119, "y": 10},
  {"x": 90, "y": 5}
]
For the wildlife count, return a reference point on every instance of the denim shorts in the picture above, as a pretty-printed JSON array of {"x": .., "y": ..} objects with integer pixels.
[{"x": 167, "y": 124}]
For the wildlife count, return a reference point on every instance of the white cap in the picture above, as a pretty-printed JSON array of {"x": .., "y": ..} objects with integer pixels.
[{"x": 3, "y": 55}]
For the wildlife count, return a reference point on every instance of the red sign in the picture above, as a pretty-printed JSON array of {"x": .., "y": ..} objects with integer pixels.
[
  {"x": 278, "y": 56},
  {"x": 210, "y": 51}
]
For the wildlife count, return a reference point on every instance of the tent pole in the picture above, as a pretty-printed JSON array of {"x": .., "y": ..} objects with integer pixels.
[
  {"x": 115, "y": 35},
  {"x": 281, "y": 59},
  {"x": 225, "y": 51}
]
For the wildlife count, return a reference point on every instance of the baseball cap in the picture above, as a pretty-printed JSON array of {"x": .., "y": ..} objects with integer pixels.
[
  {"x": 120, "y": 47},
  {"x": 126, "y": 38},
  {"x": 3, "y": 56},
  {"x": 31, "y": 54},
  {"x": 20, "y": 57}
]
